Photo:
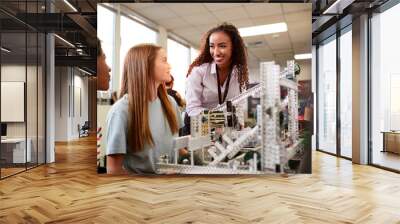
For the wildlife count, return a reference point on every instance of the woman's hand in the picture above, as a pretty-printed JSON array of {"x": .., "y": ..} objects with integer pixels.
[{"x": 114, "y": 164}]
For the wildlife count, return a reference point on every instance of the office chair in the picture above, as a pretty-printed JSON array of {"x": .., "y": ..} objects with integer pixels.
[{"x": 84, "y": 130}]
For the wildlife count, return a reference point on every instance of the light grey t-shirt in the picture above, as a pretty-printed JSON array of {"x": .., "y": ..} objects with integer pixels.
[{"x": 117, "y": 134}]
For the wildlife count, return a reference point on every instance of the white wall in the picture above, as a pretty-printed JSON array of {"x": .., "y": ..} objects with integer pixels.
[
  {"x": 79, "y": 117},
  {"x": 61, "y": 103},
  {"x": 69, "y": 82},
  {"x": 14, "y": 73},
  {"x": 254, "y": 69},
  {"x": 305, "y": 69},
  {"x": 33, "y": 127},
  {"x": 17, "y": 73}
]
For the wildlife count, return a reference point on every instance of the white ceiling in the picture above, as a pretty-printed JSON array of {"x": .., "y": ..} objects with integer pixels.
[{"x": 191, "y": 20}]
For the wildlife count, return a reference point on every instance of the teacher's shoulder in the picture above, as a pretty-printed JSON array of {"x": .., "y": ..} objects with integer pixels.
[{"x": 200, "y": 69}]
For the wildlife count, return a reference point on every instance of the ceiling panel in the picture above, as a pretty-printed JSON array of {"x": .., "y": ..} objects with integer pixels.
[
  {"x": 157, "y": 12},
  {"x": 280, "y": 42},
  {"x": 299, "y": 25},
  {"x": 185, "y": 31},
  {"x": 300, "y": 38},
  {"x": 191, "y": 21},
  {"x": 261, "y": 10},
  {"x": 221, "y": 6},
  {"x": 173, "y": 23},
  {"x": 298, "y": 16},
  {"x": 204, "y": 28},
  {"x": 231, "y": 14},
  {"x": 239, "y": 23},
  {"x": 302, "y": 48},
  {"x": 299, "y": 31},
  {"x": 199, "y": 19},
  {"x": 295, "y": 7},
  {"x": 139, "y": 5},
  {"x": 253, "y": 38},
  {"x": 262, "y": 53},
  {"x": 194, "y": 39},
  {"x": 187, "y": 9},
  {"x": 284, "y": 51},
  {"x": 268, "y": 20}
]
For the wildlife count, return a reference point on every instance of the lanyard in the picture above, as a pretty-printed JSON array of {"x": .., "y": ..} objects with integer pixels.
[{"x": 226, "y": 87}]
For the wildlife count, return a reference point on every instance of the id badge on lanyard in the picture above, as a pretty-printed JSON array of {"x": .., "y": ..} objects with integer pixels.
[{"x": 221, "y": 101}]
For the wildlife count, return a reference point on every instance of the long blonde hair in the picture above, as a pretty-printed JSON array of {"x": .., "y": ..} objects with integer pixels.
[{"x": 138, "y": 82}]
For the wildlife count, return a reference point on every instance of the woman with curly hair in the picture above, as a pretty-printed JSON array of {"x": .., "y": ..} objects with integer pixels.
[{"x": 219, "y": 72}]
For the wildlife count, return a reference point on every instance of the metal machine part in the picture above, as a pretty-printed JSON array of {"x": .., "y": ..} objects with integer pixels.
[{"x": 223, "y": 146}]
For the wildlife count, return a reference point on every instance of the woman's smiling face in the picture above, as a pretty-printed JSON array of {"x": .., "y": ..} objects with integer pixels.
[{"x": 221, "y": 48}]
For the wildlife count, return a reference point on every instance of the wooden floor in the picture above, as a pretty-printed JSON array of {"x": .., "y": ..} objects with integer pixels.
[
  {"x": 387, "y": 159},
  {"x": 5, "y": 172},
  {"x": 10, "y": 171},
  {"x": 70, "y": 191}
]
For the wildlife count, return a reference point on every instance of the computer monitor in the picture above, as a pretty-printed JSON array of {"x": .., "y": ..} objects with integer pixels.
[{"x": 3, "y": 129}]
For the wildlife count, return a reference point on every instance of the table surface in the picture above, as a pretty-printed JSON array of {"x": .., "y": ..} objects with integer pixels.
[
  {"x": 13, "y": 140},
  {"x": 391, "y": 132}
]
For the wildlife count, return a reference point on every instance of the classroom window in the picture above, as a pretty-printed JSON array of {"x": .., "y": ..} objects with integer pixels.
[
  {"x": 193, "y": 54},
  {"x": 106, "y": 18},
  {"x": 346, "y": 94},
  {"x": 133, "y": 33},
  {"x": 178, "y": 58},
  {"x": 385, "y": 88},
  {"x": 327, "y": 96}
]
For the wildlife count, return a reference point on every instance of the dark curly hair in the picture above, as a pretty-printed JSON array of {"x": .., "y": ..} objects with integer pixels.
[{"x": 239, "y": 53}]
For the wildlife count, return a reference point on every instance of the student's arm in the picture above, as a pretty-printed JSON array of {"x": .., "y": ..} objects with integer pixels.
[
  {"x": 182, "y": 151},
  {"x": 114, "y": 164},
  {"x": 194, "y": 91},
  {"x": 116, "y": 147}
]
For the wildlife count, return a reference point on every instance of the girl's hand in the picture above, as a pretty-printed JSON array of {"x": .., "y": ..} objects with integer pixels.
[{"x": 183, "y": 151}]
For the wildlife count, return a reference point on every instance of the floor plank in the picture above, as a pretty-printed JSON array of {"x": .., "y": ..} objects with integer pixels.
[{"x": 70, "y": 191}]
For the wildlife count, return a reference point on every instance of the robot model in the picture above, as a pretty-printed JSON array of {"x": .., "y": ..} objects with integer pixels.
[{"x": 221, "y": 144}]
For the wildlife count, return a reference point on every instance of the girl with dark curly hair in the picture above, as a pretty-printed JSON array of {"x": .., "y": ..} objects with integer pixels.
[{"x": 219, "y": 72}]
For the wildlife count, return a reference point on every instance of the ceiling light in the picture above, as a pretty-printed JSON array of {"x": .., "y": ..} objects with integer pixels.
[
  {"x": 70, "y": 5},
  {"x": 86, "y": 72},
  {"x": 275, "y": 36},
  {"x": 338, "y": 6},
  {"x": 65, "y": 41},
  {"x": 5, "y": 50},
  {"x": 263, "y": 29},
  {"x": 302, "y": 56}
]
